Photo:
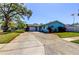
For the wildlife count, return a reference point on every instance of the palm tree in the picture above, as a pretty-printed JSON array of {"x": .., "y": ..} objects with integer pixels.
[{"x": 9, "y": 12}]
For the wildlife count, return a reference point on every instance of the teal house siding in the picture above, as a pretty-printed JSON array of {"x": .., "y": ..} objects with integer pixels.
[{"x": 53, "y": 25}]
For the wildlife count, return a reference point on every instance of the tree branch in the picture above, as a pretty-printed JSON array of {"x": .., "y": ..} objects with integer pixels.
[
  {"x": 17, "y": 14},
  {"x": 2, "y": 11},
  {"x": 11, "y": 10},
  {"x": 9, "y": 7}
]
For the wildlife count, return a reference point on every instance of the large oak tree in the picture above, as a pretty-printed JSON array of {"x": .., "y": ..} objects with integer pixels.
[{"x": 9, "y": 12}]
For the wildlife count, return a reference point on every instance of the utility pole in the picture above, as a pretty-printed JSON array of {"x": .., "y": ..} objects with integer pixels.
[
  {"x": 73, "y": 21},
  {"x": 78, "y": 16},
  {"x": 74, "y": 15},
  {"x": 78, "y": 13}
]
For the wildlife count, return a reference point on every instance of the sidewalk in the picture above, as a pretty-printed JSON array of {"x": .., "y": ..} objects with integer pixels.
[{"x": 71, "y": 38}]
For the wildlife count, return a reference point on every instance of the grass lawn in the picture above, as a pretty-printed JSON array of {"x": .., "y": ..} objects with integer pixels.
[
  {"x": 6, "y": 38},
  {"x": 75, "y": 41},
  {"x": 67, "y": 34}
]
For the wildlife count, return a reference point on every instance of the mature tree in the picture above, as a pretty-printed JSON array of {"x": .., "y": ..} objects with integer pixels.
[{"x": 9, "y": 11}]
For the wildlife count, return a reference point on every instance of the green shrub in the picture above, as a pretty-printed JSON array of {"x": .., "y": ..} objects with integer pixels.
[
  {"x": 8, "y": 30},
  {"x": 19, "y": 31}
]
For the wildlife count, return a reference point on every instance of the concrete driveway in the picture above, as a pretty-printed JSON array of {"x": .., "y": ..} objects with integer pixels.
[
  {"x": 26, "y": 43},
  {"x": 36, "y": 43}
]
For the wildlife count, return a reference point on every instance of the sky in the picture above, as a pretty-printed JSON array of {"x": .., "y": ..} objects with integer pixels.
[{"x": 47, "y": 12}]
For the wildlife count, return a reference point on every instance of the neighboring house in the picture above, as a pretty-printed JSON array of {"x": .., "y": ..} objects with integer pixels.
[
  {"x": 54, "y": 26},
  {"x": 33, "y": 27},
  {"x": 72, "y": 28}
]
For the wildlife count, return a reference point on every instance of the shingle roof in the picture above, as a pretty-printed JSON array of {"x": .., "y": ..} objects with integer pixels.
[{"x": 55, "y": 22}]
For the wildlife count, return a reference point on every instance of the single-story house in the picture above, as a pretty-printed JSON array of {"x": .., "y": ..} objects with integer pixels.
[
  {"x": 72, "y": 28},
  {"x": 54, "y": 26}
]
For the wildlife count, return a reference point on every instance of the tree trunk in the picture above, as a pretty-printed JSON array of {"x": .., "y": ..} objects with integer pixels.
[
  {"x": 7, "y": 19},
  {"x": 5, "y": 28}
]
